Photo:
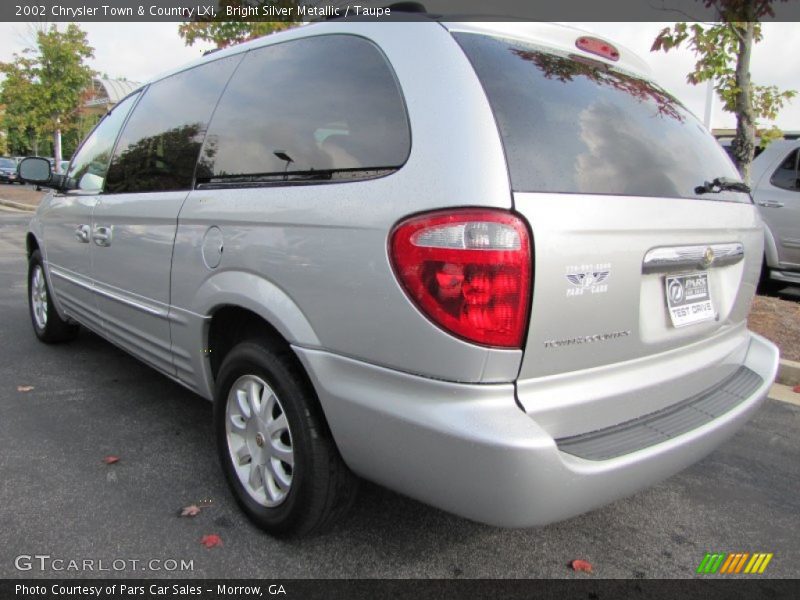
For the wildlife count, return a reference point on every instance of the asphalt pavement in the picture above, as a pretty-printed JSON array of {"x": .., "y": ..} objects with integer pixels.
[{"x": 90, "y": 400}]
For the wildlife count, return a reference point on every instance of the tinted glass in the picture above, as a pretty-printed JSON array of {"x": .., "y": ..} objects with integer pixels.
[
  {"x": 89, "y": 165},
  {"x": 578, "y": 126},
  {"x": 315, "y": 109},
  {"x": 786, "y": 176},
  {"x": 158, "y": 148}
]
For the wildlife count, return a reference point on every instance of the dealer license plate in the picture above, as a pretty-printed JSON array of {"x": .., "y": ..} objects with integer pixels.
[{"x": 689, "y": 299}]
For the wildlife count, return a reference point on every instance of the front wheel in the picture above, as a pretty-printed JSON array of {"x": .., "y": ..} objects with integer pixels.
[
  {"x": 47, "y": 324},
  {"x": 276, "y": 451}
]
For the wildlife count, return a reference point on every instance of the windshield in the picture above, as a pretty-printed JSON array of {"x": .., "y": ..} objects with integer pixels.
[
  {"x": 574, "y": 125},
  {"x": 6, "y": 163}
]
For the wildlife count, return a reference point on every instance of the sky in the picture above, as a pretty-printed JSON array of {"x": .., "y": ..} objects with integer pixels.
[{"x": 139, "y": 51}]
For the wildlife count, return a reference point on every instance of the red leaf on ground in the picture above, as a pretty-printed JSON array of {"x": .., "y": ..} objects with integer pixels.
[
  {"x": 211, "y": 540},
  {"x": 110, "y": 460},
  {"x": 581, "y": 565},
  {"x": 190, "y": 511},
  {"x": 796, "y": 389},
  {"x": 24, "y": 388}
]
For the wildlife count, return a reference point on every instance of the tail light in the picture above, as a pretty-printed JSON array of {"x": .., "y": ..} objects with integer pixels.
[{"x": 469, "y": 271}]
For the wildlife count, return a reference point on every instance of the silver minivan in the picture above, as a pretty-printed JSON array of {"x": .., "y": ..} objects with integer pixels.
[
  {"x": 776, "y": 191},
  {"x": 494, "y": 267}
]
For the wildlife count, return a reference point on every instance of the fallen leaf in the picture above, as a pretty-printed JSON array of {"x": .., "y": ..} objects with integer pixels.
[
  {"x": 581, "y": 565},
  {"x": 211, "y": 540},
  {"x": 24, "y": 388},
  {"x": 796, "y": 389},
  {"x": 190, "y": 511},
  {"x": 110, "y": 460}
]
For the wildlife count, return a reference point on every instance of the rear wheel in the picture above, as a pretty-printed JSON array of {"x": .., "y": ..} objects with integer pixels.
[
  {"x": 47, "y": 324},
  {"x": 276, "y": 451}
]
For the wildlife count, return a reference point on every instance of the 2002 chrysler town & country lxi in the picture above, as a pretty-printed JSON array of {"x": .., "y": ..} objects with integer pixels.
[{"x": 497, "y": 269}]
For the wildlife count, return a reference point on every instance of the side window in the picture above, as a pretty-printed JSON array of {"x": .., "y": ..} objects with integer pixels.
[
  {"x": 786, "y": 176},
  {"x": 90, "y": 164},
  {"x": 311, "y": 110},
  {"x": 158, "y": 148}
]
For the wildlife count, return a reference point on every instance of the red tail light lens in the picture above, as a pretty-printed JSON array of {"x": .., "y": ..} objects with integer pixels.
[
  {"x": 598, "y": 47},
  {"x": 469, "y": 271}
]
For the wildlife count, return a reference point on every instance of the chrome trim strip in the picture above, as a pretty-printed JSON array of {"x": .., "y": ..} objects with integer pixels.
[
  {"x": 679, "y": 258},
  {"x": 162, "y": 314}
]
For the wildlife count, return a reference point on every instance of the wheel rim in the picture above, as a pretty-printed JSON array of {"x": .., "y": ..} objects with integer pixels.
[
  {"x": 39, "y": 297},
  {"x": 259, "y": 440}
]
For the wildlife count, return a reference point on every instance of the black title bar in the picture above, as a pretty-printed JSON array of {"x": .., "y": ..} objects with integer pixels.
[
  {"x": 381, "y": 10},
  {"x": 397, "y": 589}
]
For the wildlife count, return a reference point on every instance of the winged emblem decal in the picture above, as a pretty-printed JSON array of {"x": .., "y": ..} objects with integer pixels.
[{"x": 588, "y": 278}]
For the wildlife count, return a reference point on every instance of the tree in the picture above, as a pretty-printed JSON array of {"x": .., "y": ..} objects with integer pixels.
[
  {"x": 45, "y": 87},
  {"x": 225, "y": 33},
  {"x": 21, "y": 119},
  {"x": 723, "y": 51}
]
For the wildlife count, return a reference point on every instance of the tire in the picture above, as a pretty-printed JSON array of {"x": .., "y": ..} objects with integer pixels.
[
  {"x": 301, "y": 496},
  {"x": 48, "y": 326},
  {"x": 766, "y": 285}
]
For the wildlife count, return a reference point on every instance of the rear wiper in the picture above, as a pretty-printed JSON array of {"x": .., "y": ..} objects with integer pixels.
[{"x": 722, "y": 184}]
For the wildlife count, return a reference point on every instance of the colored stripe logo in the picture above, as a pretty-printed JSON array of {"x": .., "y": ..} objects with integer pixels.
[{"x": 734, "y": 563}]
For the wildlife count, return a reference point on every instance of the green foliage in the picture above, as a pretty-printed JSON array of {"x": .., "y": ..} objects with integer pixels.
[
  {"x": 716, "y": 47},
  {"x": 723, "y": 50},
  {"x": 225, "y": 33},
  {"x": 45, "y": 87}
]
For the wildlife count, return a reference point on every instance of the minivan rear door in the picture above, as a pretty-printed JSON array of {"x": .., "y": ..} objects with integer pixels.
[{"x": 134, "y": 224}]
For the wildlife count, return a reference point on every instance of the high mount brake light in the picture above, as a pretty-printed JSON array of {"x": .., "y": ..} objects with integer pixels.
[
  {"x": 598, "y": 47},
  {"x": 469, "y": 271}
]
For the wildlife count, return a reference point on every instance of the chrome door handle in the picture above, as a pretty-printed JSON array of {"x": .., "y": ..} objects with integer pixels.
[
  {"x": 82, "y": 233},
  {"x": 102, "y": 235},
  {"x": 771, "y": 204}
]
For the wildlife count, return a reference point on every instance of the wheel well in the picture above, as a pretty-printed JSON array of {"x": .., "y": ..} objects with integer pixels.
[
  {"x": 233, "y": 324},
  {"x": 31, "y": 245}
]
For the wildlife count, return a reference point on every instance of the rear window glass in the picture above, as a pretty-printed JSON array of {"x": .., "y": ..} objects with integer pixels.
[{"x": 572, "y": 125}]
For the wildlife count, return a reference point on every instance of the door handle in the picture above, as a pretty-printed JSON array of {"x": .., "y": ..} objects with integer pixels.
[
  {"x": 102, "y": 235},
  {"x": 82, "y": 233},
  {"x": 771, "y": 204}
]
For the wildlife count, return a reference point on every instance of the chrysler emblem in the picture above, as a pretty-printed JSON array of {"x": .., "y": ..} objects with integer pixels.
[{"x": 708, "y": 257}]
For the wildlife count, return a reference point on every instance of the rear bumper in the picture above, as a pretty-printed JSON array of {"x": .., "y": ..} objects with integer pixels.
[{"x": 470, "y": 450}]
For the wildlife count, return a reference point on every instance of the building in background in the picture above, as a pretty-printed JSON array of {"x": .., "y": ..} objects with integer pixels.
[{"x": 105, "y": 94}]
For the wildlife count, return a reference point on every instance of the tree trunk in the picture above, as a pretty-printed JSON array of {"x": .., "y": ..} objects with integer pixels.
[{"x": 744, "y": 143}]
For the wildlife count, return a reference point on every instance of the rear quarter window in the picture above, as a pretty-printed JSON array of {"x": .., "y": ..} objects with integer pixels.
[
  {"x": 325, "y": 108},
  {"x": 574, "y": 125},
  {"x": 787, "y": 175}
]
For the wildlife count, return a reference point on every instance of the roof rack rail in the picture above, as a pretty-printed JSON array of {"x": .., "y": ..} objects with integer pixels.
[{"x": 408, "y": 7}]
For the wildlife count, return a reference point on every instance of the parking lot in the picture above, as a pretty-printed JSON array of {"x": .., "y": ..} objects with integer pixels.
[{"x": 88, "y": 400}]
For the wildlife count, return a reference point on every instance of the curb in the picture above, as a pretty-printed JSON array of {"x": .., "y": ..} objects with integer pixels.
[
  {"x": 17, "y": 205},
  {"x": 788, "y": 373},
  {"x": 784, "y": 393}
]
